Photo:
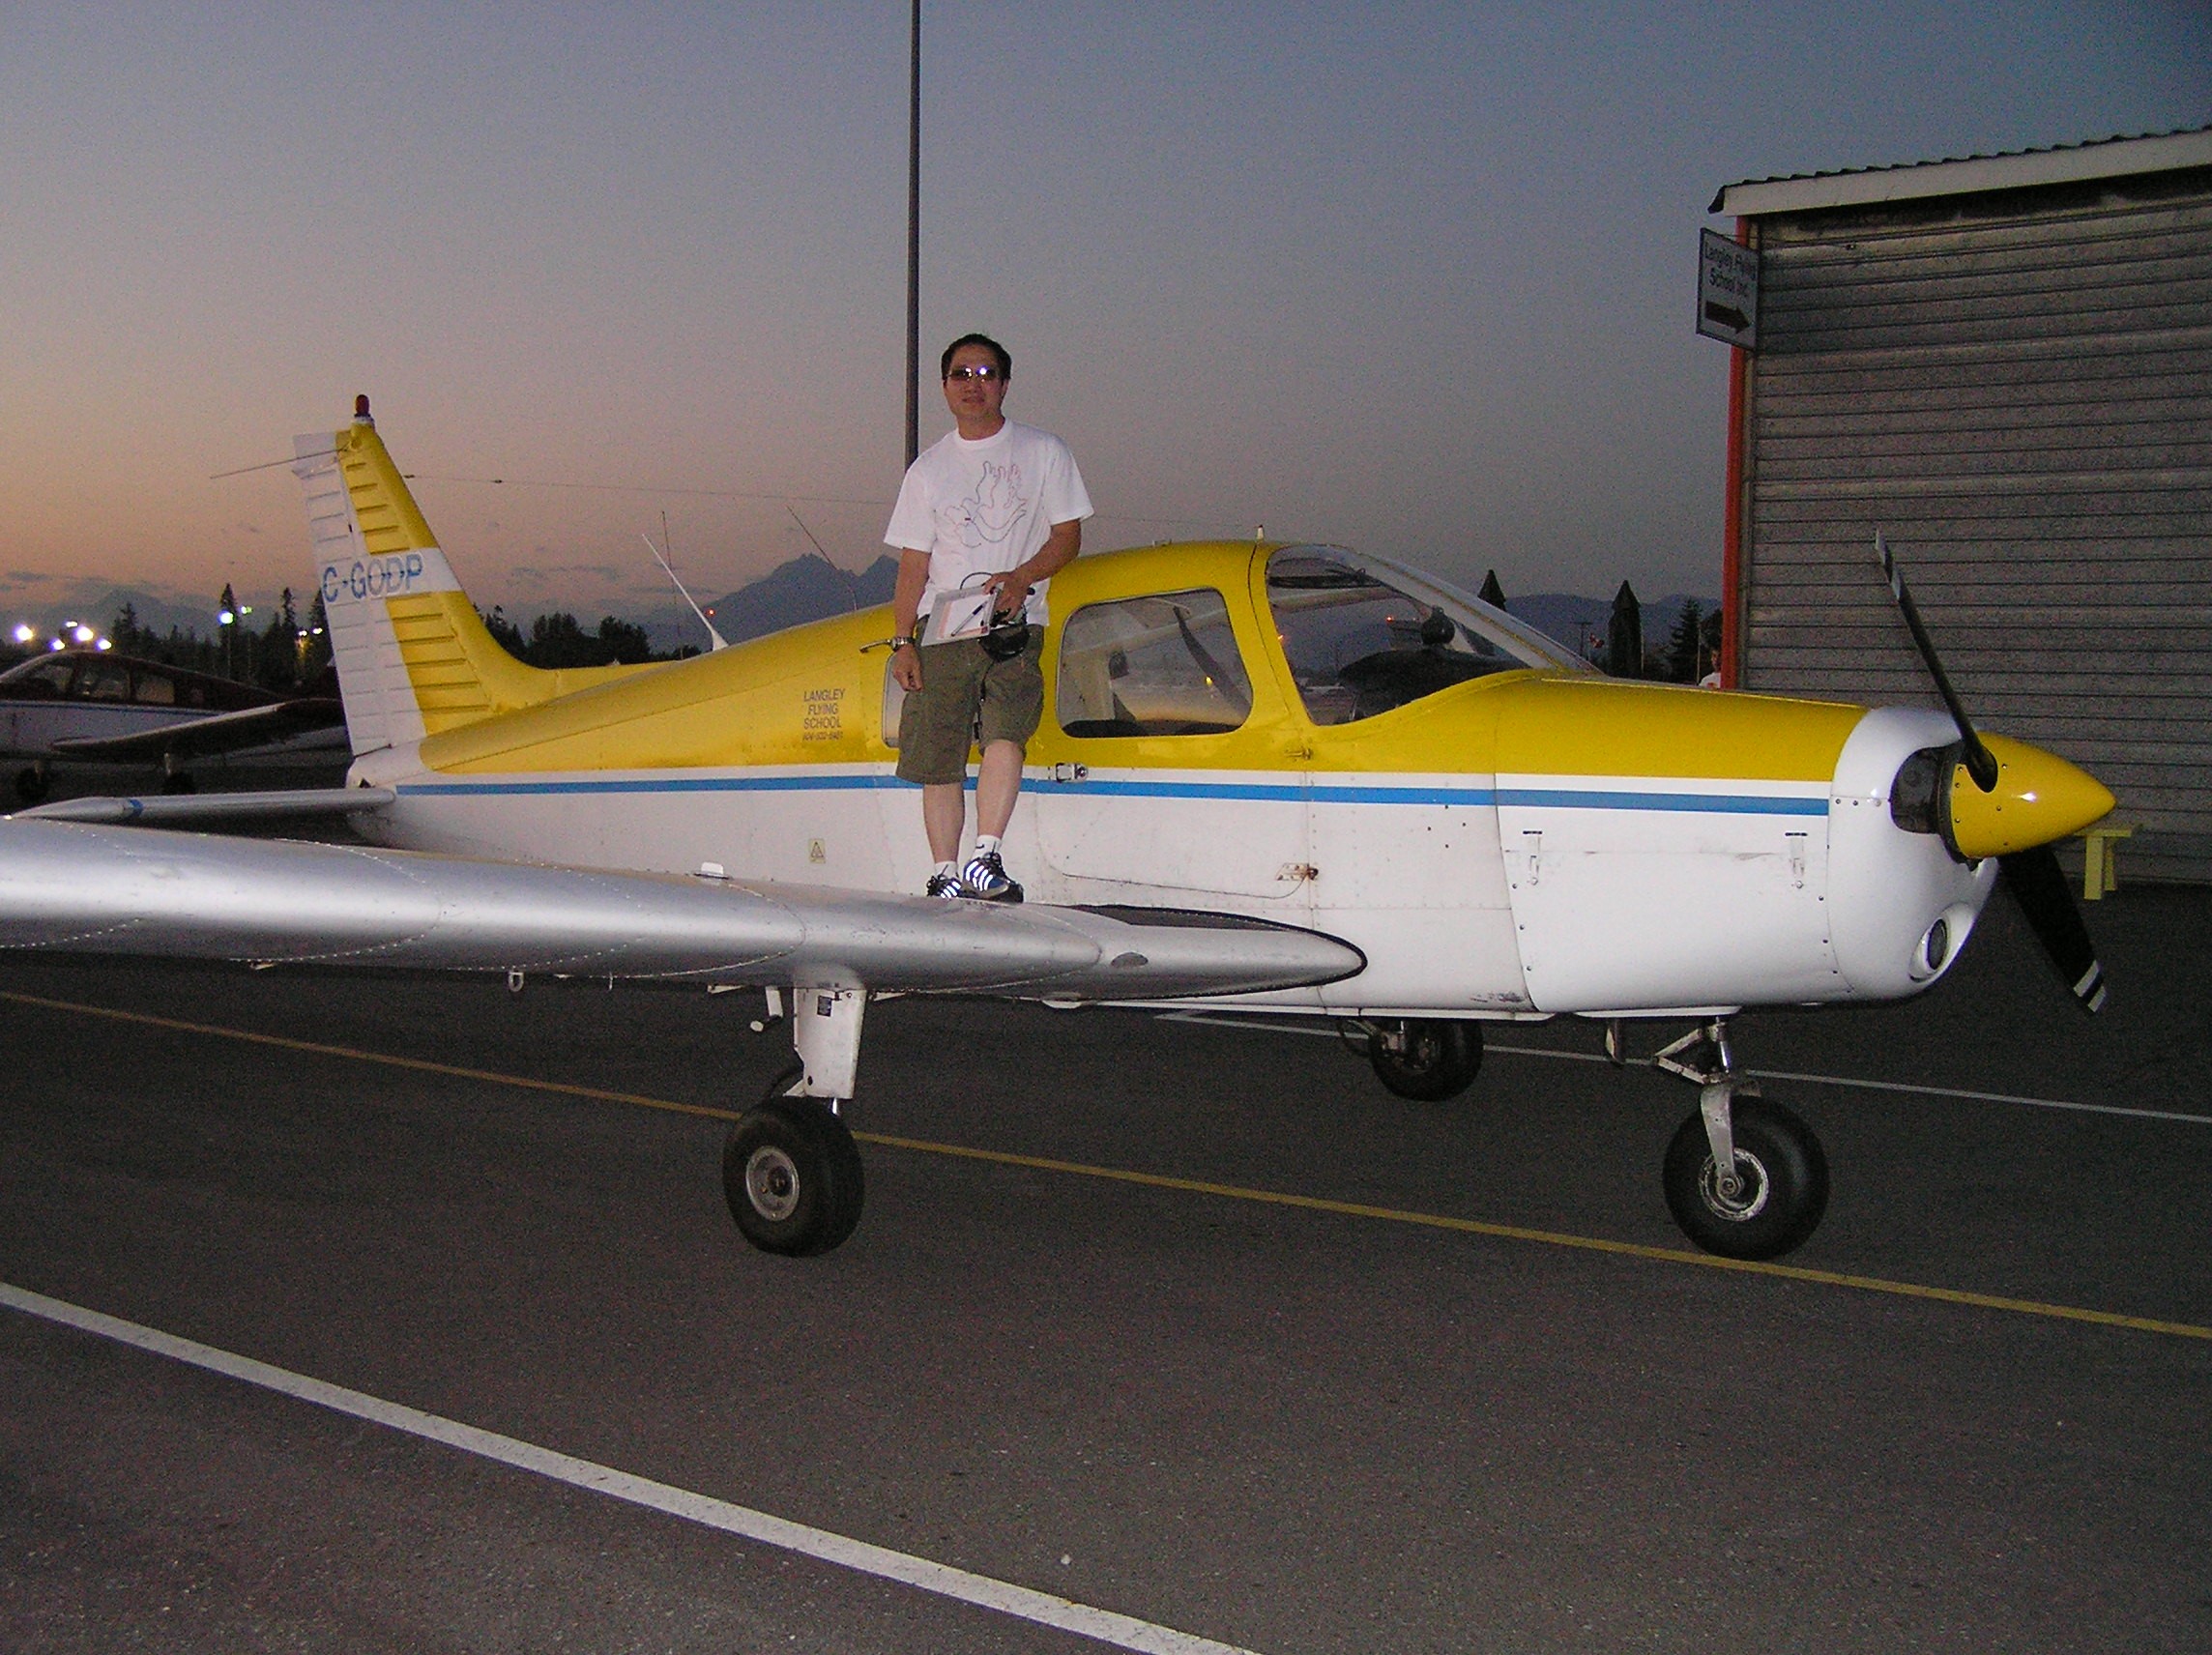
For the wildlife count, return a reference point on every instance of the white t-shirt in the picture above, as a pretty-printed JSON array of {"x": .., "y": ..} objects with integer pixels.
[{"x": 980, "y": 509}]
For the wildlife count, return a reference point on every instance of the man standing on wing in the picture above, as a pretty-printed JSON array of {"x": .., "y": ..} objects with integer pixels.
[{"x": 992, "y": 506}]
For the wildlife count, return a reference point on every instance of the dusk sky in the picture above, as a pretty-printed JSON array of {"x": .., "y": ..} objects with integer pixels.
[{"x": 1413, "y": 278}]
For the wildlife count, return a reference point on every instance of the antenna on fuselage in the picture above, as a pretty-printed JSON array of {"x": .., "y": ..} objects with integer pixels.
[
  {"x": 668, "y": 569},
  {"x": 851, "y": 585}
]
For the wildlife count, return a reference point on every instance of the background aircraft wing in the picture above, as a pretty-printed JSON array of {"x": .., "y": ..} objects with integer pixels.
[
  {"x": 217, "y": 733},
  {"x": 179, "y": 809},
  {"x": 134, "y": 890}
]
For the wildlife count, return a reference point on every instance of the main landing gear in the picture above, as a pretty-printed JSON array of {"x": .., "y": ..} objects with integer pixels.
[
  {"x": 1427, "y": 1058},
  {"x": 1744, "y": 1177},
  {"x": 791, "y": 1171}
]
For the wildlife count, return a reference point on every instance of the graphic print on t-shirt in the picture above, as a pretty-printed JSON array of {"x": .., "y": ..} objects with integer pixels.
[{"x": 994, "y": 511}]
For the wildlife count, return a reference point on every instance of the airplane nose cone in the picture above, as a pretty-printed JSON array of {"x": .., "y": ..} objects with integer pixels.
[{"x": 2039, "y": 799}]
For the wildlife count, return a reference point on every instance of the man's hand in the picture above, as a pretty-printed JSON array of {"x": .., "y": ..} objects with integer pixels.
[
  {"x": 1010, "y": 590},
  {"x": 906, "y": 667}
]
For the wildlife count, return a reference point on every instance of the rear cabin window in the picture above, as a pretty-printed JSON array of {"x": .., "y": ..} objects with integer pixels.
[
  {"x": 1359, "y": 647},
  {"x": 1165, "y": 665},
  {"x": 38, "y": 680}
]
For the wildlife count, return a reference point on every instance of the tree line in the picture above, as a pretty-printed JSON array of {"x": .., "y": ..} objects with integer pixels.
[
  {"x": 290, "y": 653},
  {"x": 559, "y": 640},
  {"x": 287, "y": 656}
]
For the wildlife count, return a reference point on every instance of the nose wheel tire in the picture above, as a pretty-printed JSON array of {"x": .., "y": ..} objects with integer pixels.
[
  {"x": 1427, "y": 1058},
  {"x": 1777, "y": 1197},
  {"x": 792, "y": 1175}
]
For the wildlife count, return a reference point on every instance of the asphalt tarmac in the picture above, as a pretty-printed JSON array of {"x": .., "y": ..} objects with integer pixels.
[{"x": 1475, "y": 1396}]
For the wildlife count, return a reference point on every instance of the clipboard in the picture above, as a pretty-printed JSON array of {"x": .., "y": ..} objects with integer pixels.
[{"x": 959, "y": 615}]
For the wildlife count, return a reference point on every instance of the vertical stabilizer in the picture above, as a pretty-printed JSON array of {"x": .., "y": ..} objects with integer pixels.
[{"x": 413, "y": 657}]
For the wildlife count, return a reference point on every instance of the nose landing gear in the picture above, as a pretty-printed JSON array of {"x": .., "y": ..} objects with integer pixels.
[{"x": 1744, "y": 1177}]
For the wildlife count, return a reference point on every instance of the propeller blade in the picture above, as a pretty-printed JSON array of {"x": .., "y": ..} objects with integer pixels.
[
  {"x": 1981, "y": 763},
  {"x": 2039, "y": 886}
]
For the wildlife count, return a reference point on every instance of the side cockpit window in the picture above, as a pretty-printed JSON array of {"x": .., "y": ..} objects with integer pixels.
[
  {"x": 1359, "y": 646},
  {"x": 103, "y": 681},
  {"x": 1165, "y": 665}
]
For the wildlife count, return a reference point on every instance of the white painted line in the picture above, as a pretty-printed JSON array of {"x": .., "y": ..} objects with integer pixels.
[
  {"x": 1846, "y": 1080},
  {"x": 1987, "y": 1096},
  {"x": 1045, "y": 1609}
]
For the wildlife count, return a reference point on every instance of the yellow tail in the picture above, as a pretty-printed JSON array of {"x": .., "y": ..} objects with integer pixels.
[{"x": 413, "y": 655}]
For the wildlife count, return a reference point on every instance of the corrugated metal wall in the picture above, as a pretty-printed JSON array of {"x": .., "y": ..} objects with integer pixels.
[{"x": 2017, "y": 390}]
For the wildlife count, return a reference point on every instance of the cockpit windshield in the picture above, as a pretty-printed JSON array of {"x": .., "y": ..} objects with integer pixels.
[{"x": 1365, "y": 635}]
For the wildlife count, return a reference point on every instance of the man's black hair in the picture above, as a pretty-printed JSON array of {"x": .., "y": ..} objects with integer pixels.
[{"x": 1005, "y": 357}]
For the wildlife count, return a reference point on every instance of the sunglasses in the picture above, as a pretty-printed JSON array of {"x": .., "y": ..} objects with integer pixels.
[{"x": 987, "y": 373}]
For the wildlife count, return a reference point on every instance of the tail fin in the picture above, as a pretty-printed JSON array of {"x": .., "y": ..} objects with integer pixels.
[{"x": 413, "y": 655}]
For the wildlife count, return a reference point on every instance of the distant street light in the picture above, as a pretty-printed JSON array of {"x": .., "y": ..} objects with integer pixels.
[{"x": 226, "y": 616}]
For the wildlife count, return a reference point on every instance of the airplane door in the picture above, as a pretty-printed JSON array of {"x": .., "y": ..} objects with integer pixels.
[{"x": 1157, "y": 799}]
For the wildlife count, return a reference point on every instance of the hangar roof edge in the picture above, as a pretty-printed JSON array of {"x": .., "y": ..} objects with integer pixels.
[{"x": 2115, "y": 157}]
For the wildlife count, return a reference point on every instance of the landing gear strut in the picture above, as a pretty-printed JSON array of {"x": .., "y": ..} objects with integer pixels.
[
  {"x": 791, "y": 1171},
  {"x": 1744, "y": 1177}
]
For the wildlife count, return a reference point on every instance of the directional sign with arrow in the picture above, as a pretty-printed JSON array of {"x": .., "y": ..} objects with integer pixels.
[{"x": 1728, "y": 290}]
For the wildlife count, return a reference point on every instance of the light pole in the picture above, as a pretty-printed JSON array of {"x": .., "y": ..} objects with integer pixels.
[{"x": 914, "y": 242}]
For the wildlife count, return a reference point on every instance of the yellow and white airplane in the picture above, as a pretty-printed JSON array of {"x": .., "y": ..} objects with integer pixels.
[{"x": 1277, "y": 779}]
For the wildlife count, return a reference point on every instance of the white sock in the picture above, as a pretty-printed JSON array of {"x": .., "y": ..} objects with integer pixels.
[
  {"x": 948, "y": 868},
  {"x": 986, "y": 843}
]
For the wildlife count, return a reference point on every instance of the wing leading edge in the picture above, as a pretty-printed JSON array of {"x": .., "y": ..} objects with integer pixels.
[{"x": 68, "y": 887}]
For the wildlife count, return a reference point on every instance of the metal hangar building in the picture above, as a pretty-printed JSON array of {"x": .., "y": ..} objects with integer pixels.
[{"x": 2004, "y": 364}]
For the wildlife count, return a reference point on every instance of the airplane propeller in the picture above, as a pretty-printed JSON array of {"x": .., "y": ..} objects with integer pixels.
[{"x": 2029, "y": 872}]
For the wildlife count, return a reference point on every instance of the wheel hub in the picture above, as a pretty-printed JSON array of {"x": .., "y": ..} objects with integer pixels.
[
  {"x": 1741, "y": 1197},
  {"x": 771, "y": 1183}
]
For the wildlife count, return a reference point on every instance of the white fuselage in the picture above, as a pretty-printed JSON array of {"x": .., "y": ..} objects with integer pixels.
[{"x": 1471, "y": 895}]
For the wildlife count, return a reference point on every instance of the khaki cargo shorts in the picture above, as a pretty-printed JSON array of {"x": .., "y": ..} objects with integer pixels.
[{"x": 965, "y": 697}]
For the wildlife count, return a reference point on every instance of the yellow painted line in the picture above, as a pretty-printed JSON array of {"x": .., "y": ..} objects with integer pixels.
[
  {"x": 354, "y": 1054},
  {"x": 1189, "y": 1186}
]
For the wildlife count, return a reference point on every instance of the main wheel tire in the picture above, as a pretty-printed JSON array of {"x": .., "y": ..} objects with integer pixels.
[
  {"x": 179, "y": 782},
  {"x": 32, "y": 784},
  {"x": 792, "y": 1175},
  {"x": 1439, "y": 1058},
  {"x": 1785, "y": 1184}
]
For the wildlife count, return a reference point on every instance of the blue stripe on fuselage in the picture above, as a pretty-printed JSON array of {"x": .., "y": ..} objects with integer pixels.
[{"x": 1541, "y": 797}]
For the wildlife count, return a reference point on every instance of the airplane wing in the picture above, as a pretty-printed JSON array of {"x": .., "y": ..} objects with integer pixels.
[
  {"x": 80, "y": 888},
  {"x": 200, "y": 808},
  {"x": 217, "y": 733}
]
